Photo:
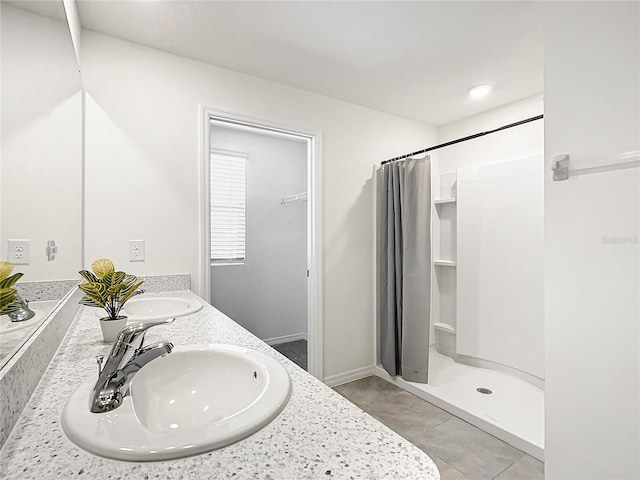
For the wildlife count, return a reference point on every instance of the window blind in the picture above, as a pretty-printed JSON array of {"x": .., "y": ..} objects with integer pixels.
[{"x": 227, "y": 175}]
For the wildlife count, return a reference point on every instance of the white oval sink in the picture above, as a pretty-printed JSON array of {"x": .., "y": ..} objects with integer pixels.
[
  {"x": 196, "y": 399},
  {"x": 159, "y": 308}
]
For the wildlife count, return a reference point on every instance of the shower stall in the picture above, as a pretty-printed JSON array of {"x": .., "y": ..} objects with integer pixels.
[{"x": 486, "y": 314}]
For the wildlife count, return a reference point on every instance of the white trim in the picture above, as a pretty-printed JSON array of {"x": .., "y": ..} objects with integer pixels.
[
  {"x": 315, "y": 247},
  {"x": 204, "y": 194},
  {"x": 376, "y": 314},
  {"x": 285, "y": 339},
  {"x": 315, "y": 316},
  {"x": 350, "y": 376}
]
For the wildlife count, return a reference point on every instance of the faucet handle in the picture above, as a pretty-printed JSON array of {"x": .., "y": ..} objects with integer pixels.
[
  {"x": 24, "y": 301},
  {"x": 155, "y": 323},
  {"x": 129, "y": 333},
  {"x": 99, "y": 359}
]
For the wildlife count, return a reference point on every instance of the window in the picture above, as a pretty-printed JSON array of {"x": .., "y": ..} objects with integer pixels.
[{"x": 227, "y": 174}]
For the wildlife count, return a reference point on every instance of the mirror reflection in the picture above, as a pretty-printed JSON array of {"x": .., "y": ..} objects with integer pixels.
[{"x": 41, "y": 160}]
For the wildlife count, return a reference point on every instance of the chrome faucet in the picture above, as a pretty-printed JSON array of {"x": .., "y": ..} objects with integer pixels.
[
  {"x": 127, "y": 356},
  {"x": 23, "y": 312}
]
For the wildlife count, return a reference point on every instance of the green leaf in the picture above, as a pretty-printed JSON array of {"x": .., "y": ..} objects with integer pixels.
[
  {"x": 118, "y": 278},
  {"x": 7, "y": 297},
  {"x": 97, "y": 299},
  {"x": 5, "y": 269},
  {"x": 129, "y": 280},
  {"x": 96, "y": 292},
  {"x": 129, "y": 293},
  {"x": 93, "y": 287},
  {"x": 89, "y": 303},
  {"x": 88, "y": 276},
  {"x": 9, "y": 282},
  {"x": 102, "y": 266},
  {"x": 114, "y": 290}
]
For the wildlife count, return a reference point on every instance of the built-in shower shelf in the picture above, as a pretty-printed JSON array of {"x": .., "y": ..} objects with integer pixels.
[
  {"x": 443, "y": 327},
  {"x": 444, "y": 263},
  {"x": 441, "y": 201}
]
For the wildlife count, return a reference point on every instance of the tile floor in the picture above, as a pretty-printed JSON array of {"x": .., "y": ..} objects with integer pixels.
[
  {"x": 294, "y": 351},
  {"x": 460, "y": 450}
]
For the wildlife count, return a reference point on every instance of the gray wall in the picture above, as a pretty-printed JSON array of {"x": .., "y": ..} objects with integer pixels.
[{"x": 268, "y": 294}]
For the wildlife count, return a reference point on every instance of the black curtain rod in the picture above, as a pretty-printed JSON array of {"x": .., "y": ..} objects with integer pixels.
[{"x": 459, "y": 140}]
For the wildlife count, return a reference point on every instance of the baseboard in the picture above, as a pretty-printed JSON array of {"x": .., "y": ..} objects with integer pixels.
[
  {"x": 350, "y": 376},
  {"x": 285, "y": 338}
]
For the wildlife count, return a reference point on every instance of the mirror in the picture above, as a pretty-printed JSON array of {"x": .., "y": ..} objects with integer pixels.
[{"x": 41, "y": 154}]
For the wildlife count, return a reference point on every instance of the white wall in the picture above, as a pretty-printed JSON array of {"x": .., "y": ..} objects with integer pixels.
[
  {"x": 41, "y": 185},
  {"x": 267, "y": 294},
  {"x": 592, "y": 107},
  {"x": 522, "y": 141},
  {"x": 142, "y": 148}
]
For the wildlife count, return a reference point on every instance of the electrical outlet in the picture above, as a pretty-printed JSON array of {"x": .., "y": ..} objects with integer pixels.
[
  {"x": 18, "y": 252},
  {"x": 136, "y": 250}
]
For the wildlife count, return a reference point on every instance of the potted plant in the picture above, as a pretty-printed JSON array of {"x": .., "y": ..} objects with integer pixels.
[
  {"x": 8, "y": 302},
  {"x": 108, "y": 289}
]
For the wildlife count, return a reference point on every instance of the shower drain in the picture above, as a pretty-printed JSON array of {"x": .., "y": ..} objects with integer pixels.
[{"x": 484, "y": 391}]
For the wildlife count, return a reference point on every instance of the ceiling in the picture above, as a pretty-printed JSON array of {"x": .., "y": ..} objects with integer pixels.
[{"x": 412, "y": 59}]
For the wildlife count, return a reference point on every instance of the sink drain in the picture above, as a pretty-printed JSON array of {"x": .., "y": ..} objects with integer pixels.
[{"x": 484, "y": 391}]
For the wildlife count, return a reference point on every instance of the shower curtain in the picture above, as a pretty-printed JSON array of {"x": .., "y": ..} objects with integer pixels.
[{"x": 404, "y": 267}]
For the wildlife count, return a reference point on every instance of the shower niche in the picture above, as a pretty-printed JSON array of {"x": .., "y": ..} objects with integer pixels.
[{"x": 444, "y": 233}]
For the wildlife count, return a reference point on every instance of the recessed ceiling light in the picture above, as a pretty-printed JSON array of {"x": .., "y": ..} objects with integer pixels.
[{"x": 479, "y": 91}]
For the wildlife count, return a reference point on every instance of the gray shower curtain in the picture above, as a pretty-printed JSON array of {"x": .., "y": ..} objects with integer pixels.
[{"x": 404, "y": 267}]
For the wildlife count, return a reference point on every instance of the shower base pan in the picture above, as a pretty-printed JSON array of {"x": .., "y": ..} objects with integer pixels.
[{"x": 512, "y": 412}]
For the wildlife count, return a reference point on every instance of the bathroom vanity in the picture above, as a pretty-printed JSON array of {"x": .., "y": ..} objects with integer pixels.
[{"x": 319, "y": 434}]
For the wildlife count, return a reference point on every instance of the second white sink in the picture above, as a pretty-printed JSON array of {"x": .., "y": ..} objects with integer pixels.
[{"x": 158, "y": 308}]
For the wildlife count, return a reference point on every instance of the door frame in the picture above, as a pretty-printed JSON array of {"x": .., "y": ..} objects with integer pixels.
[{"x": 315, "y": 318}]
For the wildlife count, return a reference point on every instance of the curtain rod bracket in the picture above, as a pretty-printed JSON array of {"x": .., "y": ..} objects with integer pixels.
[{"x": 560, "y": 167}]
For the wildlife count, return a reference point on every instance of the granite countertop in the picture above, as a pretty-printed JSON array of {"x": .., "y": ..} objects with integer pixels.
[{"x": 319, "y": 434}]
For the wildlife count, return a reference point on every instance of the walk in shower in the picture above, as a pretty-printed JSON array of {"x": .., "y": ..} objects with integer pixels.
[{"x": 486, "y": 311}]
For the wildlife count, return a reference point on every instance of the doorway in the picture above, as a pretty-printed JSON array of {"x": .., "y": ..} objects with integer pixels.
[{"x": 260, "y": 235}]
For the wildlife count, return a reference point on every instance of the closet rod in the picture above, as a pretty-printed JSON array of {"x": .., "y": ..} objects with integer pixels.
[{"x": 464, "y": 139}]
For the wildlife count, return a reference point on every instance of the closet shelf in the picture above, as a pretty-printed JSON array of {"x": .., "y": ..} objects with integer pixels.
[
  {"x": 294, "y": 198},
  {"x": 444, "y": 263},
  {"x": 444, "y": 327},
  {"x": 441, "y": 201}
]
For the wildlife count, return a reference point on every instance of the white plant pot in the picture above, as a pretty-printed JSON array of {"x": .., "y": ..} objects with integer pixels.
[{"x": 111, "y": 328}]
